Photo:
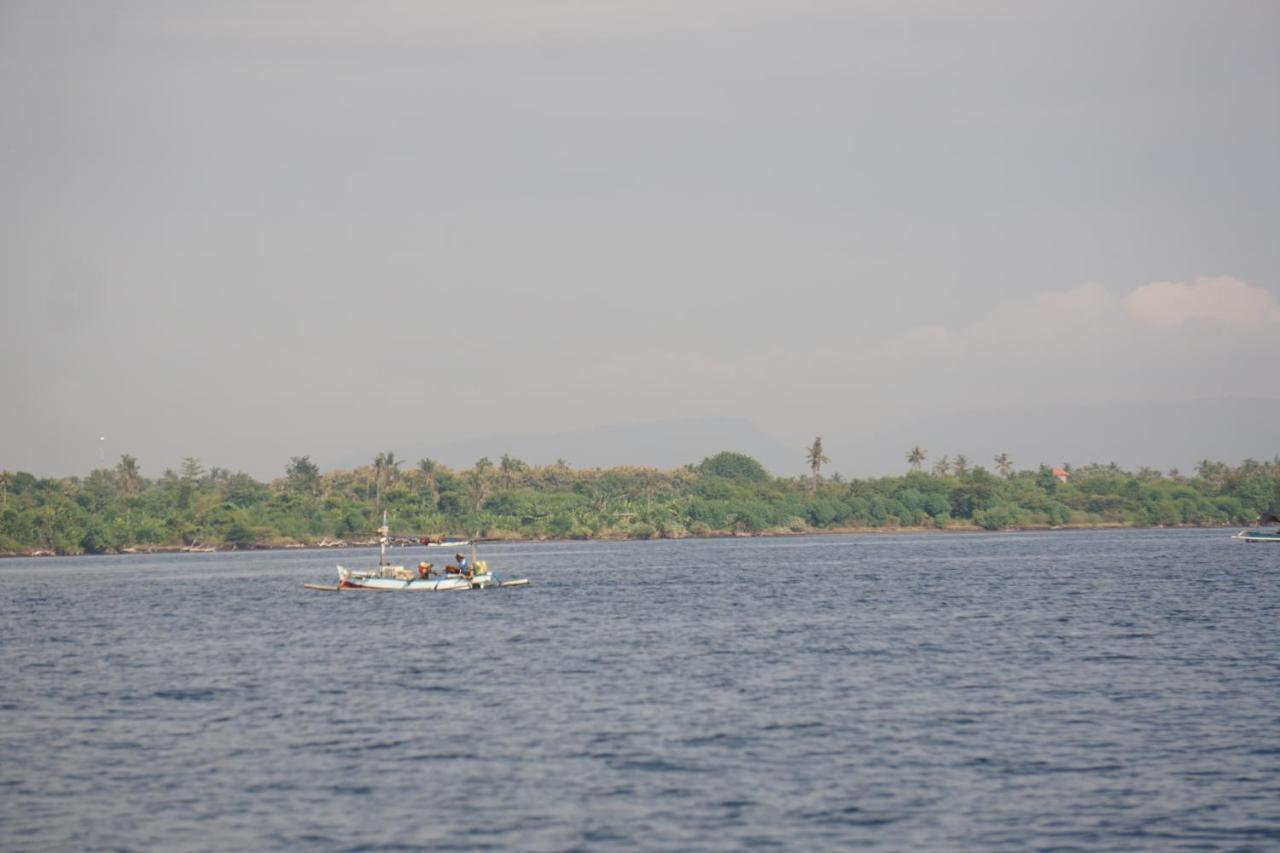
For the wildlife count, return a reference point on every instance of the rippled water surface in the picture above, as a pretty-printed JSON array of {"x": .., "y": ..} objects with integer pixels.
[{"x": 1067, "y": 689}]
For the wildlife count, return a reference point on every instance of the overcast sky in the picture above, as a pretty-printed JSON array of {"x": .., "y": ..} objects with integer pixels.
[{"x": 245, "y": 231}]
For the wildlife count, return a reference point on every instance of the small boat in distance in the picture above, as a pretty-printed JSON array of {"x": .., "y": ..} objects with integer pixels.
[
  {"x": 1271, "y": 517},
  {"x": 469, "y": 574},
  {"x": 444, "y": 541},
  {"x": 1258, "y": 536}
]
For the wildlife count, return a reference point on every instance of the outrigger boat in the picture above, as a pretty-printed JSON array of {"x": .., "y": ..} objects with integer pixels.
[
  {"x": 1262, "y": 535},
  {"x": 445, "y": 542},
  {"x": 472, "y": 575},
  {"x": 1258, "y": 535}
]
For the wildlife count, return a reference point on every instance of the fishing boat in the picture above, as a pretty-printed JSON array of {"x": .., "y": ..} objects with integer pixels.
[
  {"x": 1262, "y": 535},
  {"x": 444, "y": 542},
  {"x": 387, "y": 577},
  {"x": 1258, "y": 535}
]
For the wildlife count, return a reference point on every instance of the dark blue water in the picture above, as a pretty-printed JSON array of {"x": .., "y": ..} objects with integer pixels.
[{"x": 1074, "y": 689}]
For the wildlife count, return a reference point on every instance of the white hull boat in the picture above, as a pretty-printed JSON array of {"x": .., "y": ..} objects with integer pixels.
[
  {"x": 399, "y": 578},
  {"x": 388, "y": 578},
  {"x": 366, "y": 580},
  {"x": 1272, "y": 516},
  {"x": 448, "y": 543},
  {"x": 1258, "y": 536}
]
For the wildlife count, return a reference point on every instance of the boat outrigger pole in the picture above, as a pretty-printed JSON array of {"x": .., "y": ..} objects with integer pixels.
[{"x": 382, "y": 540}]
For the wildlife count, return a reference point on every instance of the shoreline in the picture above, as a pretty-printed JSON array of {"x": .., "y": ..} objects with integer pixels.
[{"x": 324, "y": 544}]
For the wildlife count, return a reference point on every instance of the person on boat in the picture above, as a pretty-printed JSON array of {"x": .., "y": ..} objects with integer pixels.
[
  {"x": 462, "y": 567},
  {"x": 424, "y": 570}
]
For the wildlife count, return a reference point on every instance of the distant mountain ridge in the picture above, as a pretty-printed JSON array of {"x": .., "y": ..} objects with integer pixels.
[
  {"x": 659, "y": 444},
  {"x": 1160, "y": 435}
]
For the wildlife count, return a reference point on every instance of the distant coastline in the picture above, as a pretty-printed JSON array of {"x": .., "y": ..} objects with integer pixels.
[
  {"x": 118, "y": 511},
  {"x": 780, "y": 534}
]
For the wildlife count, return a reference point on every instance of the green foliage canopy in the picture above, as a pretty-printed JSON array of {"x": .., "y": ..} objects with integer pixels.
[{"x": 727, "y": 493}]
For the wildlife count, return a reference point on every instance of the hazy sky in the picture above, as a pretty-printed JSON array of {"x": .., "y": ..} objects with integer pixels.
[{"x": 245, "y": 231}]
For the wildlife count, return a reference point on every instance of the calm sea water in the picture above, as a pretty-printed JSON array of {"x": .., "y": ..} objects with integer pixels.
[{"x": 1037, "y": 690}]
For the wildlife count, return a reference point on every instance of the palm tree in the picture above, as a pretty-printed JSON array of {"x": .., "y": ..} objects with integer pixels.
[
  {"x": 128, "y": 473},
  {"x": 384, "y": 466},
  {"x": 917, "y": 456},
  {"x": 192, "y": 470},
  {"x": 379, "y": 462},
  {"x": 1004, "y": 465},
  {"x": 961, "y": 465},
  {"x": 510, "y": 467},
  {"x": 1214, "y": 472},
  {"x": 478, "y": 481},
  {"x": 428, "y": 467},
  {"x": 942, "y": 467},
  {"x": 816, "y": 461},
  {"x": 560, "y": 474},
  {"x": 5, "y": 476}
]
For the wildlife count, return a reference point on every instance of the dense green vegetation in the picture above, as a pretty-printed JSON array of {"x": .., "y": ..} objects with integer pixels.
[{"x": 117, "y": 508}]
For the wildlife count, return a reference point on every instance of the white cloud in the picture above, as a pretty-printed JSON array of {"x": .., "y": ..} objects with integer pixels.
[
  {"x": 1052, "y": 317},
  {"x": 928, "y": 341},
  {"x": 1223, "y": 300},
  {"x": 1064, "y": 318}
]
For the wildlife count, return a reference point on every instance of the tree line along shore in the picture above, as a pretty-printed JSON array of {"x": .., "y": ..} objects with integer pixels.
[{"x": 117, "y": 509}]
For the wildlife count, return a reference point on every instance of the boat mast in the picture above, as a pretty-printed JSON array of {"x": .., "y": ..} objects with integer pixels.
[{"x": 382, "y": 540}]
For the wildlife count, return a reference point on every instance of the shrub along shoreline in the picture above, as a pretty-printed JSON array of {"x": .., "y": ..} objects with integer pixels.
[
  {"x": 117, "y": 510},
  {"x": 321, "y": 545}
]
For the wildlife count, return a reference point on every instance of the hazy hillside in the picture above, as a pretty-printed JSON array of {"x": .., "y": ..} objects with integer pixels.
[
  {"x": 1161, "y": 435},
  {"x": 660, "y": 444}
]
